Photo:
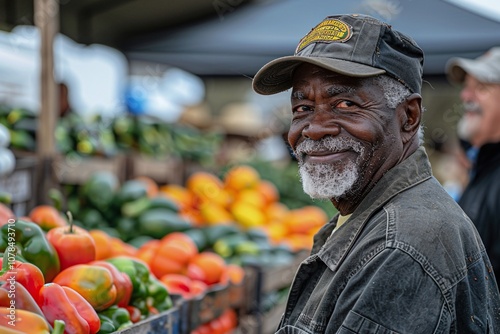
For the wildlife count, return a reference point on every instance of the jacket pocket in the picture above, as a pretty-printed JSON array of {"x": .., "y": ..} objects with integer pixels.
[{"x": 355, "y": 323}]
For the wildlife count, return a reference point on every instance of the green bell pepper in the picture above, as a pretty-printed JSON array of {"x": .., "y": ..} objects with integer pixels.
[
  {"x": 158, "y": 296},
  {"x": 138, "y": 272},
  {"x": 113, "y": 319},
  {"x": 28, "y": 242},
  {"x": 148, "y": 292}
]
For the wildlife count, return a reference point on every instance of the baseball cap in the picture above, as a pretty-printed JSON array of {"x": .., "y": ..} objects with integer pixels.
[
  {"x": 485, "y": 68},
  {"x": 353, "y": 45}
]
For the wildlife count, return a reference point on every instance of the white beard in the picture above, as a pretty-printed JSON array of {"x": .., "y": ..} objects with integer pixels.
[
  {"x": 327, "y": 181},
  {"x": 469, "y": 125}
]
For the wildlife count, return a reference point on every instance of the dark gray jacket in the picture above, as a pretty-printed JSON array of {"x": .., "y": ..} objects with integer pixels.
[
  {"x": 407, "y": 261},
  {"x": 481, "y": 200}
]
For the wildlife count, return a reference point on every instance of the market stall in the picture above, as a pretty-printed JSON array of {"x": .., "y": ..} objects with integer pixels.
[{"x": 178, "y": 221}]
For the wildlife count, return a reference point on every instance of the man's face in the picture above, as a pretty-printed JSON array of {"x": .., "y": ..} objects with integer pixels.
[
  {"x": 343, "y": 134},
  {"x": 480, "y": 123}
]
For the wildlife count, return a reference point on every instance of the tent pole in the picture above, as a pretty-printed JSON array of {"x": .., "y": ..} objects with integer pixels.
[{"x": 46, "y": 15}]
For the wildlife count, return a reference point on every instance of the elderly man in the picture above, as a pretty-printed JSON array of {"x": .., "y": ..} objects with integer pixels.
[
  {"x": 479, "y": 133},
  {"x": 401, "y": 257}
]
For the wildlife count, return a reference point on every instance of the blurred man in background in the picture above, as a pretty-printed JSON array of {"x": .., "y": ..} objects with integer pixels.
[{"x": 479, "y": 135}]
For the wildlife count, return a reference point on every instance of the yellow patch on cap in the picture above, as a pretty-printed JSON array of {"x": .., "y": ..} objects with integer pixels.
[{"x": 326, "y": 32}]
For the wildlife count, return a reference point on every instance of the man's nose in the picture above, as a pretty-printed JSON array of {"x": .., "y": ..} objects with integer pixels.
[
  {"x": 318, "y": 129},
  {"x": 467, "y": 94}
]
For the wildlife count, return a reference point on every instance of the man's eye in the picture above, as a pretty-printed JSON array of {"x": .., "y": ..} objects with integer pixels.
[
  {"x": 344, "y": 104},
  {"x": 301, "y": 109}
]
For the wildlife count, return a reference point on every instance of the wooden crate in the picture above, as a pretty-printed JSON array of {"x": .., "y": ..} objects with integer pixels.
[
  {"x": 261, "y": 323},
  {"x": 168, "y": 170},
  {"x": 76, "y": 170},
  {"x": 164, "y": 323},
  {"x": 261, "y": 281},
  {"x": 208, "y": 306},
  {"x": 21, "y": 185},
  {"x": 275, "y": 278}
]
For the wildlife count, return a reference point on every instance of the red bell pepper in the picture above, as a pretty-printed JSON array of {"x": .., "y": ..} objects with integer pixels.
[
  {"x": 26, "y": 322},
  {"x": 28, "y": 243},
  {"x": 94, "y": 283},
  {"x": 73, "y": 244},
  {"x": 121, "y": 281},
  {"x": 57, "y": 304},
  {"x": 25, "y": 273},
  {"x": 134, "y": 312},
  {"x": 84, "y": 309},
  {"x": 13, "y": 294}
]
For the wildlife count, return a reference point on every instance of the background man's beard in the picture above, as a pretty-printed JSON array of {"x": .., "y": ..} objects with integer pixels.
[
  {"x": 325, "y": 181},
  {"x": 468, "y": 126}
]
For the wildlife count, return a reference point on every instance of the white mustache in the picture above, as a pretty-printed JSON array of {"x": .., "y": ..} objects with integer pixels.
[
  {"x": 472, "y": 107},
  {"x": 328, "y": 144}
]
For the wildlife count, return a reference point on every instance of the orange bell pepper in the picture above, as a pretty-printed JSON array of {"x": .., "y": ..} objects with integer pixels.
[
  {"x": 103, "y": 245},
  {"x": 73, "y": 244},
  {"x": 94, "y": 283},
  {"x": 26, "y": 322},
  {"x": 121, "y": 281},
  {"x": 148, "y": 250},
  {"x": 58, "y": 303},
  {"x": 47, "y": 217}
]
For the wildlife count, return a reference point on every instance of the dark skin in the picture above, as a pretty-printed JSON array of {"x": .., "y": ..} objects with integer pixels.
[{"x": 325, "y": 103}]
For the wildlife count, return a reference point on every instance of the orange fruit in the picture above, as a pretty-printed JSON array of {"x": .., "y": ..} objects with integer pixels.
[
  {"x": 230, "y": 318},
  {"x": 306, "y": 218},
  {"x": 299, "y": 241},
  {"x": 198, "y": 288},
  {"x": 152, "y": 187},
  {"x": 179, "y": 194},
  {"x": 269, "y": 191},
  {"x": 207, "y": 267},
  {"x": 276, "y": 212},
  {"x": 120, "y": 247},
  {"x": 47, "y": 217},
  {"x": 208, "y": 187},
  {"x": 247, "y": 215},
  {"x": 233, "y": 274},
  {"x": 241, "y": 177},
  {"x": 252, "y": 197},
  {"x": 212, "y": 213},
  {"x": 173, "y": 254},
  {"x": 193, "y": 216},
  {"x": 217, "y": 326},
  {"x": 276, "y": 231},
  {"x": 102, "y": 242},
  {"x": 147, "y": 251}
]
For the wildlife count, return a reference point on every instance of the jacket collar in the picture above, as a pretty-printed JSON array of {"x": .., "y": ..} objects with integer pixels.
[{"x": 415, "y": 169}]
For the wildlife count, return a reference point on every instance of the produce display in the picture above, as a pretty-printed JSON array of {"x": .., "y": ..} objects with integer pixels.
[
  {"x": 107, "y": 136},
  {"x": 106, "y": 255},
  {"x": 59, "y": 278}
]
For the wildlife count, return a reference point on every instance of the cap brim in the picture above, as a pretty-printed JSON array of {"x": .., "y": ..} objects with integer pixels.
[
  {"x": 276, "y": 76},
  {"x": 457, "y": 68}
]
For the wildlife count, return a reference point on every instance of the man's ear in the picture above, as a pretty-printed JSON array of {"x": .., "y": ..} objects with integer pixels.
[{"x": 410, "y": 112}]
